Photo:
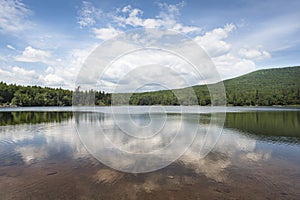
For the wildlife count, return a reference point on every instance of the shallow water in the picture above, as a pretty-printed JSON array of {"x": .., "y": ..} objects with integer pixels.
[{"x": 51, "y": 153}]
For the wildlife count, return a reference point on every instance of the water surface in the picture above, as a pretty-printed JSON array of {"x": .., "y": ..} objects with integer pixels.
[{"x": 256, "y": 156}]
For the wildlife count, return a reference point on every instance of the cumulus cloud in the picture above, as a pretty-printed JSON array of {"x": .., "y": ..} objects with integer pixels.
[
  {"x": 185, "y": 29},
  {"x": 88, "y": 14},
  {"x": 22, "y": 72},
  {"x": 228, "y": 62},
  {"x": 167, "y": 18},
  {"x": 51, "y": 80},
  {"x": 22, "y": 76},
  {"x": 213, "y": 41},
  {"x": 230, "y": 65},
  {"x": 106, "y": 33},
  {"x": 53, "y": 71},
  {"x": 185, "y": 73},
  {"x": 229, "y": 59},
  {"x": 128, "y": 16},
  {"x": 19, "y": 75},
  {"x": 33, "y": 55},
  {"x": 64, "y": 72},
  {"x": 170, "y": 11},
  {"x": 132, "y": 18},
  {"x": 13, "y": 16},
  {"x": 49, "y": 69},
  {"x": 254, "y": 54},
  {"x": 58, "y": 74}
]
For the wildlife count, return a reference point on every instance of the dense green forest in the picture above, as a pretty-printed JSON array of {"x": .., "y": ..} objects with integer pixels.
[
  {"x": 33, "y": 96},
  {"x": 279, "y": 86},
  {"x": 15, "y": 95}
]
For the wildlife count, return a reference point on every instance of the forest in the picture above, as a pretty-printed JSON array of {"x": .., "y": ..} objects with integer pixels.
[{"x": 267, "y": 87}]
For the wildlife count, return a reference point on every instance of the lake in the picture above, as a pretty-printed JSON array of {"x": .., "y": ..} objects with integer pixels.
[{"x": 173, "y": 152}]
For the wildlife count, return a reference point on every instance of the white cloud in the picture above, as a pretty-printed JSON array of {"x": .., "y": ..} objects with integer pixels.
[
  {"x": 106, "y": 33},
  {"x": 158, "y": 68},
  {"x": 49, "y": 70},
  {"x": 229, "y": 65},
  {"x": 19, "y": 75},
  {"x": 33, "y": 55},
  {"x": 152, "y": 23},
  {"x": 213, "y": 41},
  {"x": 229, "y": 62},
  {"x": 23, "y": 72},
  {"x": 185, "y": 29},
  {"x": 88, "y": 15},
  {"x": 63, "y": 73},
  {"x": 254, "y": 54},
  {"x": 167, "y": 18},
  {"x": 228, "y": 57},
  {"x": 5, "y": 73},
  {"x": 133, "y": 17},
  {"x": 10, "y": 47},
  {"x": 170, "y": 11},
  {"x": 169, "y": 14},
  {"x": 58, "y": 73},
  {"x": 22, "y": 76},
  {"x": 51, "y": 80},
  {"x": 13, "y": 16}
]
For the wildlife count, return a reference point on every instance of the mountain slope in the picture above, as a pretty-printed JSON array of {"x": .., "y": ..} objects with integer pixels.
[
  {"x": 278, "y": 86},
  {"x": 266, "y": 79}
]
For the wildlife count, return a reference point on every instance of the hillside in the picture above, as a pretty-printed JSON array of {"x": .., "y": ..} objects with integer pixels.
[
  {"x": 279, "y": 86},
  {"x": 266, "y": 79}
]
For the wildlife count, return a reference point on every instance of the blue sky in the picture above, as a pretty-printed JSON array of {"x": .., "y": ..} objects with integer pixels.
[{"x": 46, "y": 42}]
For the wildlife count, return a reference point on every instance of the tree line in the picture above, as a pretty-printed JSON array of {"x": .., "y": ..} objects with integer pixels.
[
  {"x": 14, "y": 95},
  {"x": 280, "y": 86}
]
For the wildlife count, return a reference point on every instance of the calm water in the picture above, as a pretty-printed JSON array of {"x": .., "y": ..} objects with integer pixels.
[{"x": 51, "y": 153}]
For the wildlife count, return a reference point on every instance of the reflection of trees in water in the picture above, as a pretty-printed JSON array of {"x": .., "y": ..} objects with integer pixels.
[
  {"x": 13, "y": 118},
  {"x": 90, "y": 117},
  {"x": 266, "y": 124}
]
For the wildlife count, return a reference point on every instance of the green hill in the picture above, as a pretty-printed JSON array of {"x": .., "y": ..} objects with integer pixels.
[
  {"x": 266, "y": 80},
  {"x": 279, "y": 86}
]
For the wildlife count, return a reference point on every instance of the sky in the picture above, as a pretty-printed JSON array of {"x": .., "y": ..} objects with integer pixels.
[{"x": 46, "y": 42}]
